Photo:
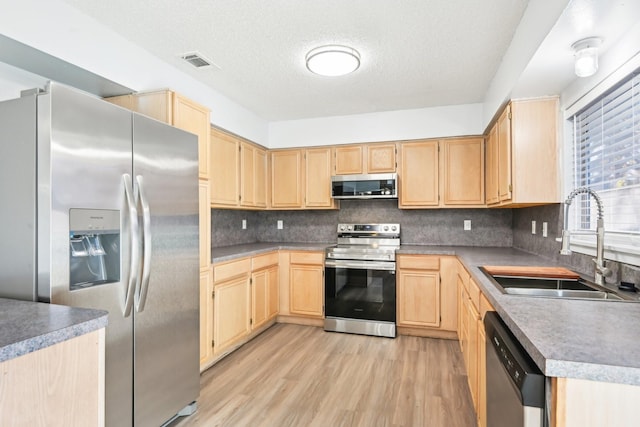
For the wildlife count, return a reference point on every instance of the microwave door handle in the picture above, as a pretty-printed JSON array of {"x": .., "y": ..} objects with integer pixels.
[
  {"x": 141, "y": 298},
  {"x": 133, "y": 263}
]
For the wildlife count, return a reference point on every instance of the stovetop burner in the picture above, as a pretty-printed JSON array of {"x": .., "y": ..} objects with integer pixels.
[{"x": 366, "y": 242}]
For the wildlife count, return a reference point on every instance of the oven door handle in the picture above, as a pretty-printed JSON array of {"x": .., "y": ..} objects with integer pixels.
[{"x": 361, "y": 265}]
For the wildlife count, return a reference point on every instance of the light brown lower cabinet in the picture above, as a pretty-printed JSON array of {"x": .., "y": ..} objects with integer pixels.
[
  {"x": 232, "y": 308},
  {"x": 426, "y": 295},
  {"x": 61, "y": 385},
  {"x": 240, "y": 302},
  {"x": 473, "y": 305},
  {"x": 306, "y": 284}
]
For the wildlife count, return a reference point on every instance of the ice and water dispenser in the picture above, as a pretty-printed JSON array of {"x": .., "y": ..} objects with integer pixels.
[{"x": 94, "y": 247}]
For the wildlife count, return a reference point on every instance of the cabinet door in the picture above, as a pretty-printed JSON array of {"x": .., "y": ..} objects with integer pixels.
[
  {"x": 247, "y": 174},
  {"x": 419, "y": 298},
  {"x": 193, "y": 117},
  {"x": 419, "y": 174},
  {"x": 504, "y": 155},
  {"x": 157, "y": 105},
  {"x": 206, "y": 316},
  {"x": 286, "y": 179},
  {"x": 306, "y": 286},
  {"x": 273, "y": 292},
  {"x": 381, "y": 158},
  {"x": 482, "y": 376},
  {"x": 472, "y": 350},
  {"x": 232, "y": 309},
  {"x": 225, "y": 169},
  {"x": 348, "y": 160},
  {"x": 318, "y": 177},
  {"x": 260, "y": 178},
  {"x": 259, "y": 298},
  {"x": 463, "y": 171},
  {"x": 491, "y": 169},
  {"x": 205, "y": 224}
]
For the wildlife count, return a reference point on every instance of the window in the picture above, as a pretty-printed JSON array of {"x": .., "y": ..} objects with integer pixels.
[{"x": 606, "y": 158}]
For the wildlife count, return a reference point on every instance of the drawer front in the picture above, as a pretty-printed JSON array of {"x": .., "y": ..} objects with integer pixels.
[
  {"x": 262, "y": 261},
  {"x": 227, "y": 270},
  {"x": 419, "y": 262},
  {"x": 316, "y": 258}
]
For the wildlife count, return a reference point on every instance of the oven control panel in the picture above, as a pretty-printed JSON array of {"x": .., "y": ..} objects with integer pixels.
[{"x": 369, "y": 229}]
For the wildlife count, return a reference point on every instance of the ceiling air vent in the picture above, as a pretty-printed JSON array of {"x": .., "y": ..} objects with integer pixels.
[{"x": 197, "y": 59}]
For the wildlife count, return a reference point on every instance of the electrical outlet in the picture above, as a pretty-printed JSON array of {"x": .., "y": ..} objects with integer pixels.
[
  {"x": 467, "y": 224},
  {"x": 533, "y": 227},
  {"x": 545, "y": 229},
  {"x": 244, "y": 224},
  {"x": 280, "y": 224}
]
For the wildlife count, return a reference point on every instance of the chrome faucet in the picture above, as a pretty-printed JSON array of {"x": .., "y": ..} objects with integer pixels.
[{"x": 601, "y": 271}]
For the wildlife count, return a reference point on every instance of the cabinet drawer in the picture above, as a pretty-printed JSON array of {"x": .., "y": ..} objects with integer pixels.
[
  {"x": 485, "y": 305},
  {"x": 419, "y": 262},
  {"x": 227, "y": 270},
  {"x": 262, "y": 261},
  {"x": 307, "y": 258}
]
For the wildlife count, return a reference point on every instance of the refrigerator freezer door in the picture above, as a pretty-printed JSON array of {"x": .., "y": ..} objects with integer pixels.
[
  {"x": 84, "y": 150},
  {"x": 166, "y": 366}
]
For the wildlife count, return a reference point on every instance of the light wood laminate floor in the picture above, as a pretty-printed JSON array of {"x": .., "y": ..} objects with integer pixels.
[{"x": 294, "y": 375}]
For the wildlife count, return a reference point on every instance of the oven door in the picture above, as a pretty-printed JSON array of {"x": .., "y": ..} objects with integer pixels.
[{"x": 364, "y": 290}]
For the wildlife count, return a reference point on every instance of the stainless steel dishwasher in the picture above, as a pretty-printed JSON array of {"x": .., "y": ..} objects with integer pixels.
[{"x": 515, "y": 385}]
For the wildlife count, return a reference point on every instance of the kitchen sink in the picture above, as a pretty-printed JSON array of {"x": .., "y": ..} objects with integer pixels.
[
  {"x": 563, "y": 293},
  {"x": 551, "y": 287}
]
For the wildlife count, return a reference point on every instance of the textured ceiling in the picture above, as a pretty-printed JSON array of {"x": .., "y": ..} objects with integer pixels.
[{"x": 414, "y": 53}]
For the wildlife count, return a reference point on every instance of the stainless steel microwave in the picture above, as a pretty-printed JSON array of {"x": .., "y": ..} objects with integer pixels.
[{"x": 370, "y": 186}]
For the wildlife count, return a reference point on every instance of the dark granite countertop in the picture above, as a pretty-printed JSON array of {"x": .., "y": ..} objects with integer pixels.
[
  {"x": 30, "y": 326},
  {"x": 228, "y": 253},
  {"x": 587, "y": 339}
]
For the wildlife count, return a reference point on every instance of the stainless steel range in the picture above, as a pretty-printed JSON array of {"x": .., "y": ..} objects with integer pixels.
[{"x": 360, "y": 280}]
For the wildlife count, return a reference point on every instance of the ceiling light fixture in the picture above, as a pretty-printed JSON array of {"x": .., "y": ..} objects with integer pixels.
[
  {"x": 333, "y": 60},
  {"x": 586, "y": 56}
]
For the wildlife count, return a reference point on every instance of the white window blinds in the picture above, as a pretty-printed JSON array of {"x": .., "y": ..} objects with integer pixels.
[{"x": 607, "y": 159}]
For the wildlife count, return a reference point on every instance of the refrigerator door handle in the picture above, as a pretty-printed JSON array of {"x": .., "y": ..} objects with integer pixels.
[
  {"x": 141, "y": 297},
  {"x": 134, "y": 240}
]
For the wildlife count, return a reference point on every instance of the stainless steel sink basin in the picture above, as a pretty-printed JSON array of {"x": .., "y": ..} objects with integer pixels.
[
  {"x": 562, "y": 293},
  {"x": 551, "y": 287}
]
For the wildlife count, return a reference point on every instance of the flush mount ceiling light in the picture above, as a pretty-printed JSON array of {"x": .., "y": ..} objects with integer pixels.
[
  {"x": 586, "y": 56},
  {"x": 333, "y": 60}
]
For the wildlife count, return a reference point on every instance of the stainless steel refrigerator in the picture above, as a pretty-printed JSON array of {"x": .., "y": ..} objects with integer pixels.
[{"x": 100, "y": 210}]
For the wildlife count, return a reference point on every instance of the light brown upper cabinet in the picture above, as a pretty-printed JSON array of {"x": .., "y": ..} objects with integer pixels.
[
  {"x": 418, "y": 175},
  {"x": 301, "y": 179},
  {"x": 463, "y": 172},
  {"x": 225, "y": 169},
  {"x": 172, "y": 108},
  {"x": 238, "y": 172},
  {"x": 286, "y": 178},
  {"x": 253, "y": 175},
  {"x": 317, "y": 187},
  {"x": 522, "y": 154},
  {"x": 442, "y": 173},
  {"x": 365, "y": 158},
  {"x": 491, "y": 167}
]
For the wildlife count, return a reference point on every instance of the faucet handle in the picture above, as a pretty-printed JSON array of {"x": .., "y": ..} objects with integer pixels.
[{"x": 605, "y": 271}]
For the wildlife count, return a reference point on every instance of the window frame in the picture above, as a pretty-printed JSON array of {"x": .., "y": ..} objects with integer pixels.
[{"x": 618, "y": 246}]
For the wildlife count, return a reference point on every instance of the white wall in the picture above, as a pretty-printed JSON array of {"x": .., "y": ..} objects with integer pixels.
[
  {"x": 538, "y": 19},
  {"x": 61, "y": 31},
  {"x": 434, "y": 122}
]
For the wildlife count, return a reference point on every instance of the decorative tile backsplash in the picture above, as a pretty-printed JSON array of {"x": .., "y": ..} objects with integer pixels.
[
  {"x": 548, "y": 247},
  {"x": 489, "y": 227}
]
